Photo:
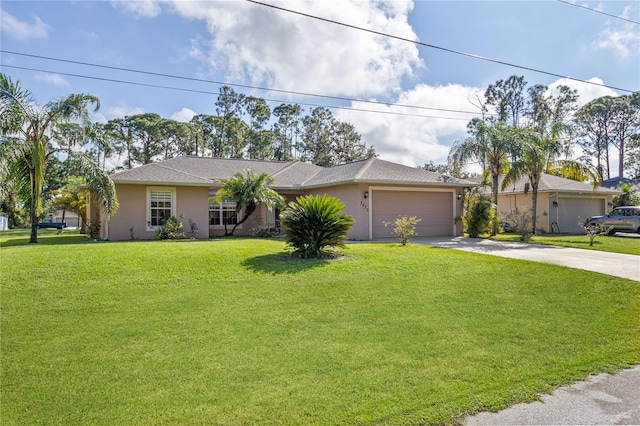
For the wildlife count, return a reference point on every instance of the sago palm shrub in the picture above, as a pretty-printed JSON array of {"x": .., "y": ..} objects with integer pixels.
[{"x": 314, "y": 223}]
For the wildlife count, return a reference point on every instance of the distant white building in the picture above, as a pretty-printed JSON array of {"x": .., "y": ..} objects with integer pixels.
[{"x": 72, "y": 219}]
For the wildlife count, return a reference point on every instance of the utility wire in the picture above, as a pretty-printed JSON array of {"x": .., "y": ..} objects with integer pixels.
[
  {"x": 432, "y": 46},
  {"x": 157, "y": 86},
  {"x": 245, "y": 86},
  {"x": 599, "y": 11}
]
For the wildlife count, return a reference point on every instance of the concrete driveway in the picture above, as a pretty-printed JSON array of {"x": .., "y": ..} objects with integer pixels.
[{"x": 616, "y": 264}]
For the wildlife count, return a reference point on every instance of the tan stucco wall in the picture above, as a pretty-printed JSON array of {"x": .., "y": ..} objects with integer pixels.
[
  {"x": 508, "y": 203},
  {"x": 192, "y": 202},
  {"x": 355, "y": 205},
  {"x": 131, "y": 217},
  {"x": 547, "y": 213}
]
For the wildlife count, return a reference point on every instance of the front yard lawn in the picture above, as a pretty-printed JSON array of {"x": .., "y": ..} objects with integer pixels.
[
  {"x": 611, "y": 243},
  {"x": 233, "y": 331}
]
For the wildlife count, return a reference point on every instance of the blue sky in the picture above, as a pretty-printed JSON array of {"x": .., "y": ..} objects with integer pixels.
[{"x": 239, "y": 42}]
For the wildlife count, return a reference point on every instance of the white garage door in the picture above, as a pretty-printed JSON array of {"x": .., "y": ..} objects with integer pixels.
[
  {"x": 574, "y": 210},
  {"x": 435, "y": 209}
]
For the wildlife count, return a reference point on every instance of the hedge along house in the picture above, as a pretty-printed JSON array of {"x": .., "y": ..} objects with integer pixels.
[
  {"x": 562, "y": 203},
  {"x": 373, "y": 191}
]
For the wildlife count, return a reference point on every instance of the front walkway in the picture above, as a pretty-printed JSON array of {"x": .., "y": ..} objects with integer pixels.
[{"x": 616, "y": 264}]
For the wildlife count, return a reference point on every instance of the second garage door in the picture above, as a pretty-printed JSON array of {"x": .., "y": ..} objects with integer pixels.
[
  {"x": 435, "y": 209},
  {"x": 574, "y": 210}
]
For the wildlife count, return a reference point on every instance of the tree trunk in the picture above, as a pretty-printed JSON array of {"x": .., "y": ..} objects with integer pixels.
[
  {"x": 494, "y": 226},
  {"x": 607, "y": 162},
  {"x": 83, "y": 225},
  {"x": 247, "y": 212},
  {"x": 621, "y": 158},
  {"x": 34, "y": 217},
  {"x": 534, "y": 206}
]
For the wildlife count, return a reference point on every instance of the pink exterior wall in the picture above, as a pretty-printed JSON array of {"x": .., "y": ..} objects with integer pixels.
[
  {"x": 193, "y": 203},
  {"x": 131, "y": 218},
  {"x": 355, "y": 205}
]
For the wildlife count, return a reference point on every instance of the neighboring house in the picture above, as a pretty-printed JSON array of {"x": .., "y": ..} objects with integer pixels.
[
  {"x": 373, "y": 192},
  {"x": 616, "y": 182},
  {"x": 563, "y": 202}
]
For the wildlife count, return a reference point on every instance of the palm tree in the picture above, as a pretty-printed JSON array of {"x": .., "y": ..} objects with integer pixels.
[
  {"x": 490, "y": 145},
  {"x": 27, "y": 146},
  {"x": 541, "y": 152},
  {"x": 248, "y": 190},
  {"x": 72, "y": 197}
]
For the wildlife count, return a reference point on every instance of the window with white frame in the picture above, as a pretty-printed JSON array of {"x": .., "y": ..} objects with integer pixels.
[
  {"x": 219, "y": 212},
  {"x": 160, "y": 206}
]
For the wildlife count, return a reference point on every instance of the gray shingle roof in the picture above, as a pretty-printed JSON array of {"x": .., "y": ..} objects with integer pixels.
[
  {"x": 204, "y": 171},
  {"x": 617, "y": 181},
  {"x": 551, "y": 183}
]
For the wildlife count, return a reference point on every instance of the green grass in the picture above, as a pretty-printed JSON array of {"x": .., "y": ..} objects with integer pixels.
[
  {"x": 234, "y": 331},
  {"x": 610, "y": 243}
]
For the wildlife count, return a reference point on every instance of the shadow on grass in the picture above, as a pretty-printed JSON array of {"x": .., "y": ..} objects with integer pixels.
[{"x": 281, "y": 263}]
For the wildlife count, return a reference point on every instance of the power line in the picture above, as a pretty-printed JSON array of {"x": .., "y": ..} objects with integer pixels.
[
  {"x": 432, "y": 46},
  {"x": 599, "y": 11},
  {"x": 245, "y": 86},
  {"x": 158, "y": 86}
]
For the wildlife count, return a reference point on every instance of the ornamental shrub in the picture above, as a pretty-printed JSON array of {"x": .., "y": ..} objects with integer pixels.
[
  {"x": 314, "y": 223},
  {"x": 404, "y": 227},
  {"x": 522, "y": 222},
  {"x": 171, "y": 229},
  {"x": 480, "y": 216}
]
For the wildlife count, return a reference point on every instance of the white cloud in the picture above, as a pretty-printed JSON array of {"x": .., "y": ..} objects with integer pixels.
[
  {"x": 54, "y": 79},
  {"x": 411, "y": 140},
  {"x": 140, "y": 8},
  {"x": 21, "y": 30},
  {"x": 184, "y": 115},
  {"x": 264, "y": 46},
  {"x": 586, "y": 92},
  {"x": 122, "y": 110},
  {"x": 415, "y": 141},
  {"x": 624, "y": 40}
]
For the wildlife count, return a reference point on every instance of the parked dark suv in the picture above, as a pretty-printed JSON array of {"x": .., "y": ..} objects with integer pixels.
[{"x": 620, "y": 219}]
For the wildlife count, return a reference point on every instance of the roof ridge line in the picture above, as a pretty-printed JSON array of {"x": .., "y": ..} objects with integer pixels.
[
  {"x": 287, "y": 166},
  {"x": 364, "y": 169},
  {"x": 320, "y": 169}
]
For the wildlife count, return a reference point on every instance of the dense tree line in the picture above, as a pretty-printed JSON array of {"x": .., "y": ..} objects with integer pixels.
[
  {"x": 526, "y": 131},
  {"x": 242, "y": 127}
]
